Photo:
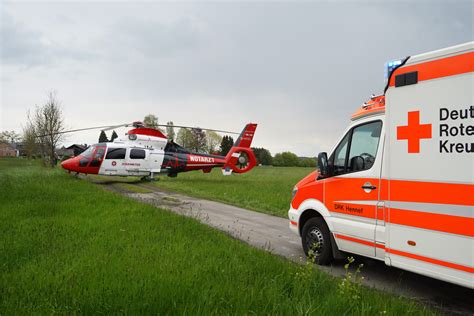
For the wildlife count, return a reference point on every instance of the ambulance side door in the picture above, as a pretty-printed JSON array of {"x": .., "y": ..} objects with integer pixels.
[{"x": 351, "y": 194}]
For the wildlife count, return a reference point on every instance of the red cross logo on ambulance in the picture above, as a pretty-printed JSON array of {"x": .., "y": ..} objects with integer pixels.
[{"x": 414, "y": 132}]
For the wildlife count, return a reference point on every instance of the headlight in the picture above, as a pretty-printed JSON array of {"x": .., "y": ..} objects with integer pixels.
[{"x": 293, "y": 193}]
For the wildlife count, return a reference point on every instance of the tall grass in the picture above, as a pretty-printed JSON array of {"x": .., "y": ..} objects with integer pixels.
[{"x": 66, "y": 246}]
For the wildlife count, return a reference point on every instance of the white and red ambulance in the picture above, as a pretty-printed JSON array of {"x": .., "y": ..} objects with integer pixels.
[{"x": 398, "y": 186}]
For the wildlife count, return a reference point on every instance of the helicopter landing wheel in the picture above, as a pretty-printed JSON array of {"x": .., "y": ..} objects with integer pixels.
[{"x": 148, "y": 179}]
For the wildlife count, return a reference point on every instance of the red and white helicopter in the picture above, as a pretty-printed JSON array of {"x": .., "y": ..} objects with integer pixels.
[{"x": 147, "y": 152}]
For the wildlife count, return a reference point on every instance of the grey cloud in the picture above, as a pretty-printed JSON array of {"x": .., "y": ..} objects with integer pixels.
[
  {"x": 299, "y": 69},
  {"x": 19, "y": 44},
  {"x": 27, "y": 47},
  {"x": 154, "y": 39}
]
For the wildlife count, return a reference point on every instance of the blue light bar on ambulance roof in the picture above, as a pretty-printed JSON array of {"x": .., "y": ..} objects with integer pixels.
[{"x": 389, "y": 67}]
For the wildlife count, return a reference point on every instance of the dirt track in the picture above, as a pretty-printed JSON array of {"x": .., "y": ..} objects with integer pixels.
[{"x": 272, "y": 234}]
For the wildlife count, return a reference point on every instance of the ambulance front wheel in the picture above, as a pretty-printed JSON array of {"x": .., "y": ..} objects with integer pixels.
[{"x": 316, "y": 241}]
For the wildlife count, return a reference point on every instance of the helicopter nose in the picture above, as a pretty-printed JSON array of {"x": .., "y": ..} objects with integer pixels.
[{"x": 68, "y": 164}]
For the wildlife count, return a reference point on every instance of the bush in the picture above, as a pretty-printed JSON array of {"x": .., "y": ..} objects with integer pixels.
[
  {"x": 286, "y": 159},
  {"x": 263, "y": 156},
  {"x": 289, "y": 159},
  {"x": 308, "y": 162}
]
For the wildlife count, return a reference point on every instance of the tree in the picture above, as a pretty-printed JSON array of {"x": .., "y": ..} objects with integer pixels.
[
  {"x": 114, "y": 136},
  {"x": 213, "y": 141},
  {"x": 226, "y": 144},
  {"x": 47, "y": 123},
  {"x": 9, "y": 137},
  {"x": 199, "y": 140},
  {"x": 103, "y": 138},
  {"x": 285, "y": 159},
  {"x": 30, "y": 141},
  {"x": 170, "y": 131},
  {"x": 307, "y": 162},
  {"x": 263, "y": 156},
  {"x": 184, "y": 137},
  {"x": 151, "y": 121}
]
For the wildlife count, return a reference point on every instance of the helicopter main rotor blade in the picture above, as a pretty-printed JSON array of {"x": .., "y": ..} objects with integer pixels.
[
  {"x": 109, "y": 127},
  {"x": 104, "y": 128},
  {"x": 191, "y": 127}
]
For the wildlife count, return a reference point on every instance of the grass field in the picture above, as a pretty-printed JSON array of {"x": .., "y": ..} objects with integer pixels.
[
  {"x": 263, "y": 189},
  {"x": 68, "y": 246}
]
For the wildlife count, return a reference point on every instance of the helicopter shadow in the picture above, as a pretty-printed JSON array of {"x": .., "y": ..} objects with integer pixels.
[{"x": 105, "y": 180}]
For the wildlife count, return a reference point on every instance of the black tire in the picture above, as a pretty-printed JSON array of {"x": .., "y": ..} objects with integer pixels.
[{"x": 316, "y": 241}]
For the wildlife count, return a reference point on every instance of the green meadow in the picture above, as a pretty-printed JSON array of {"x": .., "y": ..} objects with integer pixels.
[
  {"x": 263, "y": 189},
  {"x": 69, "y": 247}
]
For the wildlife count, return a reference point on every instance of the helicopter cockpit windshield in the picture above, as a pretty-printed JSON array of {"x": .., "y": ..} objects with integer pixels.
[
  {"x": 88, "y": 152},
  {"x": 92, "y": 156}
]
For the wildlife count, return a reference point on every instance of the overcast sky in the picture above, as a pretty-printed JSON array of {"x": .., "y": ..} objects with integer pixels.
[{"x": 298, "y": 69}]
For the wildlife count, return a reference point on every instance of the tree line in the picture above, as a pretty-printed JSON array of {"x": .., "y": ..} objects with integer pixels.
[
  {"x": 45, "y": 125},
  {"x": 284, "y": 159}
]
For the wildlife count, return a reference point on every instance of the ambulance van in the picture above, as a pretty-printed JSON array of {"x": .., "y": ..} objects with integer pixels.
[{"x": 398, "y": 186}]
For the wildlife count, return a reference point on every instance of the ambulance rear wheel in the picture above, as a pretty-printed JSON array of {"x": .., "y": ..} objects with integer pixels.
[{"x": 316, "y": 241}]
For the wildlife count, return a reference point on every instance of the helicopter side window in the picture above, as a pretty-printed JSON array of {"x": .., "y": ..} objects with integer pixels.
[
  {"x": 83, "y": 162},
  {"x": 99, "y": 155},
  {"x": 115, "y": 153},
  {"x": 86, "y": 156},
  {"x": 137, "y": 154}
]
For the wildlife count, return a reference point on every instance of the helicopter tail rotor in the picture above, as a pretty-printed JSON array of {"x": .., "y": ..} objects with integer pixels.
[{"x": 241, "y": 158}]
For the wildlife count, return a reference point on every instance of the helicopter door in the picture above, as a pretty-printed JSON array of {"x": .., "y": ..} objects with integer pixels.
[
  {"x": 137, "y": 163},
  {"x": 97, "y": 158},
  {"x": 114, "y": 162}
]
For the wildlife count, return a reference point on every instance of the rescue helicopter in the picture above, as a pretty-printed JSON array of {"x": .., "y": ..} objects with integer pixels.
[{"x": 146, "y": 152}]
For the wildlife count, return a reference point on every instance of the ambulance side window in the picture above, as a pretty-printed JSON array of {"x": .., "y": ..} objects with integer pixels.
[
  {"x": 357, "y": 150},
  {"x": 364, "y": 144},
  {"x": 338, "y": 158}
]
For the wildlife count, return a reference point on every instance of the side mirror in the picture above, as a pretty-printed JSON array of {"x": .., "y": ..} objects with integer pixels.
[{"x": 323, "y": 164}]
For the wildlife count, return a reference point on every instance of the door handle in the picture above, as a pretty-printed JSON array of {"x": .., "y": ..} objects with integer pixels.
[{"x": 368, "y": 186}]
